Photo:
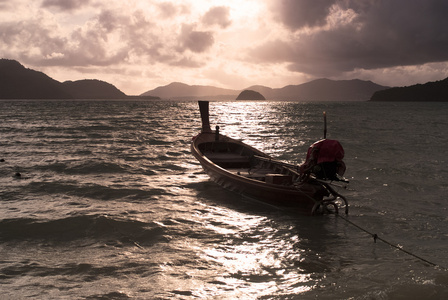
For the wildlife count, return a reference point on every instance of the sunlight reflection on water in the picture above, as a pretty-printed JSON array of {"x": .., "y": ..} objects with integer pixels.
[
  {"x": 249, "y": 256},
  {"x": 113, "y": 204},
  {"x": 260, "y": 127}
]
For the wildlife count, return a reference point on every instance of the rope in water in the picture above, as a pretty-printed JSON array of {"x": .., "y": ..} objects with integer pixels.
[{"x": 376, "y": 237}]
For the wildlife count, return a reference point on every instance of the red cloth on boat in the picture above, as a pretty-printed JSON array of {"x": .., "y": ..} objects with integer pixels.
[{"x": 326, "y": 151}]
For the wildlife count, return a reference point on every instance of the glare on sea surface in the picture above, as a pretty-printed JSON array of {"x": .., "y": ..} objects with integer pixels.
[
  {"x": 246, "y": 254},
  {"x": 257, "y": 123},
  {"x": 240, "y": 119},
  {"x": 255, "y": 258}
]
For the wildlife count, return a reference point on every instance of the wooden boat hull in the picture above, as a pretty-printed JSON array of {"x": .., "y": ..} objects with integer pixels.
[
  {"x": 302, "y": 196},
  {"x": 241, "y": 168}
]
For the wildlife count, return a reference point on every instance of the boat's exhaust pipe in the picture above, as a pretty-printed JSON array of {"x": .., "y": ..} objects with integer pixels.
[{"x": 203, "y": 108}]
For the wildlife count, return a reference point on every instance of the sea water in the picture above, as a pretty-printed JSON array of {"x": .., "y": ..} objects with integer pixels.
[{"x": 110, "y": 204}]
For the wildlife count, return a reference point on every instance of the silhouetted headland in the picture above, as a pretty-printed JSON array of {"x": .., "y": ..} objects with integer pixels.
[
  {"x": 316, "y": 90},
  {"x": 18, "y": 82},
  {"x": 429, "y": 92}
]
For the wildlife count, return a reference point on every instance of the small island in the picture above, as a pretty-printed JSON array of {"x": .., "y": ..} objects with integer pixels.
[{"x": 250, "y": 95}]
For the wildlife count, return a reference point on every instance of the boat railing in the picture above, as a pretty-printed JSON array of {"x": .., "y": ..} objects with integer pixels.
[
  {"x": 290, "y": 167},
  {"x": 334, "y": 195},
  {"x": 282, "y": 167}
]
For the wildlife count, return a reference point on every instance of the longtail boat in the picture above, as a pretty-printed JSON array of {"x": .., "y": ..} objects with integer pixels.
[{"x": 243, "y": 169}]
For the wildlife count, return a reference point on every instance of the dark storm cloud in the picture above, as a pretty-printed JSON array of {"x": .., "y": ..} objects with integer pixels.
[
  {"x": 65, "y": 4},
  {"x": 299, "y": 13},
  {"x": 169, "y": 9},
  {"x": 218, "y": 15},
  {"x": 381, "y": 34},
  {"x": 186, "y": 62},
  {"x": 4, "y": 4},
  {"x": 196, "y": 41}
]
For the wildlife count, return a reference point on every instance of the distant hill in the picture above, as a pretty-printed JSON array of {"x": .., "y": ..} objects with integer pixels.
[
  {"x": 177, "y": 90},
  {"x": 93, "y": 89},
  {"x": 250, "y": 95},
  {"x": 18, "y": 82},
  {"x": 323, "y": 90},
  {"x": 317, "y": 90},
  {"x": 430, "y": 92}
]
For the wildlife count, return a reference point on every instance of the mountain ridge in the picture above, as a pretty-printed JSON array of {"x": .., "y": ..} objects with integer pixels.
[
  {"x": 38, "y": 85},
  {"x": 19, "y": 82},
  {"x": 317, "y": 90},
  {"x": 433, "y": 91},
  {"x": 181, "y": 90},
  {"x": 93, "y": 89}
]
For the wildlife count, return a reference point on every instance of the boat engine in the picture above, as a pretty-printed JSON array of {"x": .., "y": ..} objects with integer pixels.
[{"x": 324, "y": 160}]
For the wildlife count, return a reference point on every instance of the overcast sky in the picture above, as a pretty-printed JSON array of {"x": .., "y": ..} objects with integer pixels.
[{"x": 138, "y": 45}]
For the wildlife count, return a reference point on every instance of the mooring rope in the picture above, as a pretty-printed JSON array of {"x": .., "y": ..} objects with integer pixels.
[{"x": 376, "y": 237}]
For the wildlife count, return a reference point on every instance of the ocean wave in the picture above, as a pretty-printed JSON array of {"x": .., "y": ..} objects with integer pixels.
[
  {"x": 87, "y": 167},
  {"x": 104, "y": 228},
  {"x": 158, "y": 142},
  {"x": 90, "y": 167},
  {"x": 111, "y": 203},
  {"x": 95, "y": 191}
]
